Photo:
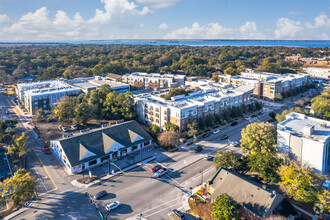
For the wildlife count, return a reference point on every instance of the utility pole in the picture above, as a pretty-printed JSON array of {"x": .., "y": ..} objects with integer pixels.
[{"x": 91, "y": 200}]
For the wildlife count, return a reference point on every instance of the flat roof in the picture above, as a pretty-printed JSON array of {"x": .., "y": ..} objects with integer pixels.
[{"x": 296, "y": 123}]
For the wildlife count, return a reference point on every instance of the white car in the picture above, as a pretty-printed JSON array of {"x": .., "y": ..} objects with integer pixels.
[
  {"x": 208, "y": 157},
  {"x": 113, "y": 205},
  {"x": 248, "y": 118},
  {"x": 161, "y": 172},
  {"x": 64, "y": 129},
  {"x": 74, "y": 127},
  {"x": 216, "y": 131},
  {"x": 234, "y": 143}
]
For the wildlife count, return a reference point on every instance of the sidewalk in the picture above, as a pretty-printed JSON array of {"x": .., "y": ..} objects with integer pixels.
[{"x": 81, "y": 185}]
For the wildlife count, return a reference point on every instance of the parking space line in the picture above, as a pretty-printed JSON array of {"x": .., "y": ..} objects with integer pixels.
[{"x": 45, "y": 168}]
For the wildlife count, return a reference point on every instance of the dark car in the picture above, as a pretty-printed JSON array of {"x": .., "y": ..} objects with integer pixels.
[
  {"x": 178, "y": 214},
  {"x": 234, "y": 123},
  {"x": 260, "y": 113},
  {"x": 198, "y": 148},
  {"x": 156, "y": 168},
  {"x": 254, "y": 116},
  {"x": 224, "y": 137},
  {"x": 100, "y": 194},
  {"x": 206, "y": 135},
  {"x": 47, "y": 150},
  {"x": 174, "y": 149}
]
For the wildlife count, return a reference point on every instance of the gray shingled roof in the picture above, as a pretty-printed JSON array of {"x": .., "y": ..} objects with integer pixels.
[
  {"x": 98, "y": 141},
  {"x": 244, "y": 191}
]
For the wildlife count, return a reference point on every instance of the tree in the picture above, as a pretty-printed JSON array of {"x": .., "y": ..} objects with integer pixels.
[
  {"x": 225, "y": 208},
  {"x": 168, "y": 139},
  {"x": 278, "y": 97},
  {"x": 19, "y": 188},
  {"x": 281, "y": 117},
  {"x": 321, "y": 104},
  {"x": 259, "y": 138},
  {"x": 228, "y": 159},
  {"x": 192, "y": 129},
  {"x": 171, "y": 127},
  {"x": 82, "y": 113},
  {"x": 64, "y": 109},
  {"x": 155, "y": 129},
  {"x": 302, "y": 184},
  {"x": 265, "y": 164},
  {"x": 19, "y": 147},
  {"x": 323, "y": 200},
  {"x": 230, "y": 71},
  {"x": 40, "y": 114},
  {"x": 272, "y": 115}
]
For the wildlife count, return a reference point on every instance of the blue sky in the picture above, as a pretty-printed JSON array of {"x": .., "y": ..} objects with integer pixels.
[{"x": 58, "y": 20}]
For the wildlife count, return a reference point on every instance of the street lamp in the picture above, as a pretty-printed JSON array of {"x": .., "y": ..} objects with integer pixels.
[{"x": 201, "y": 172}]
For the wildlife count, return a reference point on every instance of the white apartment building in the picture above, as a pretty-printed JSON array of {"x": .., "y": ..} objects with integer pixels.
[
  {"x": 306, "y": 140},
  {"x": 318, "y": 72},
  {"x": 153, "y": 80},
  {"x": 44, "y": 94},
  {"x": 152, "y": 109}
]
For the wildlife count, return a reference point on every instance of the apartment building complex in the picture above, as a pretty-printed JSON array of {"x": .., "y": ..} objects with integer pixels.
[
  {"x": 154, "y": 80},
  {"x": 309, "y": 61},
  {"x": 42, "y": 95},
  {"x": 152, "y": 109},
  {"x": 306, "y": 140},
  {"x": 267, "y": 85},
  {"x": 318, "y": 72}
]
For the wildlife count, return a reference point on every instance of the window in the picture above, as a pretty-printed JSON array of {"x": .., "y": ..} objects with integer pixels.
[
  {"x": 35, "y": 103},
  {"x": 182, "y": 121},
  {"x": 92, "y": 162},
  {"x": 104, "y": 158}
]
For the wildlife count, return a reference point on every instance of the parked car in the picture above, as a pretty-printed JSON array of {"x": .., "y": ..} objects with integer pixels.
[
  {"x": 234, "y": 143},
  {"x": 253, "y": 116},
  {"x": 7, "y": 112},
  {"x": 74, "y": 127},
  {"x": 47, "y": 150},
  {"x": 100, "y": 194},
  {"x": 216, "y": 131},
  {"x": 156, "y": 168},
  {"x": 260, "y": 113},
  {"x": 64, "y": 129},
  {"x": 113, "y": 205},
  {"x": 198, "y": 149},
  {"x": 161, "y": 172},
  {"x": 234, "y": 123},
  {"x": 178, "y": 214},
  {"x": 206, "y": 135},
  {"x": 174, "y": 149},
  {"x": 224, "y": 137},
  {"x": 208, "y": 157},
  {"x": 247, "y": 118}
]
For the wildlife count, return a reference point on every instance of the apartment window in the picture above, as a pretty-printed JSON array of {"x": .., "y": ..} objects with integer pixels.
[
  {"x": 183, "y": 115},
  {"x": 177, "y": 115},
  {"x": 35, "y": 103},
  {"x": 92, "y": 162},
  {"x": 104, "y": 158},
  {"x": 177, "y": 121},
  {"x": 182, "y": 121}
]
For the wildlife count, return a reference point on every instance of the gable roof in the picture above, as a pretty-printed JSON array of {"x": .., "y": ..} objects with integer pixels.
[
  {"x": 102, "y": 141},
  {"x": 245, "y": 192}
]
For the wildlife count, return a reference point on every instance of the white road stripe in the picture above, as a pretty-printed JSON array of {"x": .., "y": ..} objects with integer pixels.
[
  {"x": 148, "y": 210},
  {"x": 163, "y": 209}
]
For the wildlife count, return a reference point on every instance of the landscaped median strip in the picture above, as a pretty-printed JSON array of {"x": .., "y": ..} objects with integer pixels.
[{"x": 107, "y": 177}]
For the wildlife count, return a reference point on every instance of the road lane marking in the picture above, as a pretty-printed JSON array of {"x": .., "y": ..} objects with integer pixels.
[
  {"x": 148, "y": 210},
  {"x": 47, "y": 192},
  {"x": 163, "y": 209},
  {"x": 44, "y": 168}
]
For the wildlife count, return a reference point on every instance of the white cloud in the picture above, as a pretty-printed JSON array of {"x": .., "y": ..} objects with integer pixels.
[
  {"x": 39, "y": 25},
  {"x": 320, "y": 21},
  {"x": 4, "y": 19},
  {"x": 292, "y": 13},
  {"x": 142, "y": 25},
  {"x": 163, "y": 26},
  {"x": 158, "y": 3},
  {"x": 216, "y": 31},
  {"x": 287, "y": 29},
  {"x": 117, "y": 8}
]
